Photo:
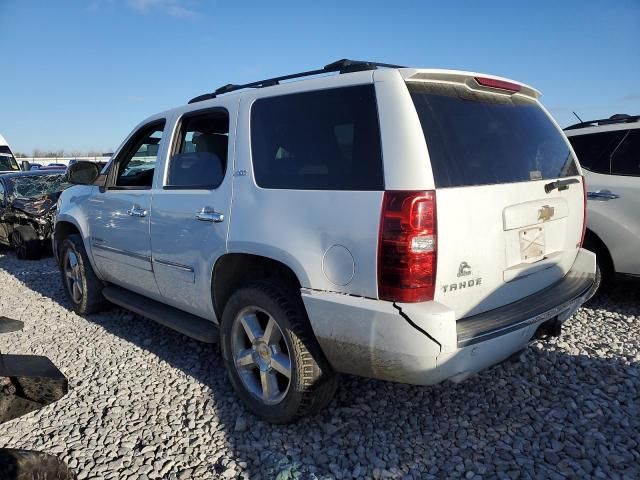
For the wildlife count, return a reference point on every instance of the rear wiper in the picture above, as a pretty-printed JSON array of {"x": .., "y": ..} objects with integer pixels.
[{"x": 560, "y": 184}]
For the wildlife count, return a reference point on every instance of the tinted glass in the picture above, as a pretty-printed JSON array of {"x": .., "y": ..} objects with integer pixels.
[
  {"x": 626, "y": 158},
  {"x": 201, "y": 152},
  {"x": 594, "y": 149},
  {"x": 137, "y": 165},
  {"x": 477, "y": 138},
  {"x": 322, "y": 140}
]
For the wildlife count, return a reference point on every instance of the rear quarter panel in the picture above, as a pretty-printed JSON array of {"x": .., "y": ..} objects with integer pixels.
[{"x": 300, "y": 227}]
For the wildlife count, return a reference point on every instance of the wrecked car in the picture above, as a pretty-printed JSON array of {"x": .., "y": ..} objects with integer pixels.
[{"x": 27, "y": 207}]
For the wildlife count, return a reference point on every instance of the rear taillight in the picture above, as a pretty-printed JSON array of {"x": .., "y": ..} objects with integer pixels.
[
  {"x": 499, "y": 84},
  {"x": 584, "y": 212},
  {"x": 407, "y": 247}
]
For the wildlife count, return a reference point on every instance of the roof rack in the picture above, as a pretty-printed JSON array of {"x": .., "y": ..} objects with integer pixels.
[
  {"x": 613, "y": 119},
  {"x": 341, "y": 66}
]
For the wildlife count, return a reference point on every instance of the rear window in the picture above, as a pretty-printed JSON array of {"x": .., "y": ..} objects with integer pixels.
[
  {"x": 477, "y": 138},
  {"x": 321, "y": 140},
  {"x": 594, "y": 150}
]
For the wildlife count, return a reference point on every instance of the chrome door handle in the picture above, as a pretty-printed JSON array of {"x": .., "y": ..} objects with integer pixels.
[
  {"x": 209, "y": 215},
  {"x": 602, "y": 195},
  {"x": 137, "y": 212}
]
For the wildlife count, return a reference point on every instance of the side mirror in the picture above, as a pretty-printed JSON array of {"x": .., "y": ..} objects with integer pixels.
[
  {"x": 83, "y": 173},
  {"x": 26, "y": 166}
]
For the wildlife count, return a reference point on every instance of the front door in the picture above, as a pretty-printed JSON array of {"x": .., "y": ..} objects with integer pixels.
[
  {"x": 120, "y": 213},
  {"x": 189, "y": 215}
]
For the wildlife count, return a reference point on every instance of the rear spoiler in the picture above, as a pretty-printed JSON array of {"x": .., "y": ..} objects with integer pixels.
[{"x": 473, "y": 81}]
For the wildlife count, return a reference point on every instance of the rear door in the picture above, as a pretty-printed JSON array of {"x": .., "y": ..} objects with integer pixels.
[
  {"x": 506, "y": 229},
  {"x": 191, "y": 209}
]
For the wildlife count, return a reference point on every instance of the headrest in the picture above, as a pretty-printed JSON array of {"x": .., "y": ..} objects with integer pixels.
[{"x": 212, "y": 143}]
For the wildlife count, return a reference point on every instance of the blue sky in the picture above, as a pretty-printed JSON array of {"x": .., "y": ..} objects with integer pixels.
[{"x": 79, "y": 74}]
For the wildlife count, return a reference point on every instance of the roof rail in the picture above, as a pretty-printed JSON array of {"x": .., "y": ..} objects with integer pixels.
[
  {"x": 341, "y": 66},
  {"x": 612, "y": 120}
]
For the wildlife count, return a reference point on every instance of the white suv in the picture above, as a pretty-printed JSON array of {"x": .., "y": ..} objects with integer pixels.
[
  {"x": 405, "y": 224},
  {"x": 609, "y": 151}
]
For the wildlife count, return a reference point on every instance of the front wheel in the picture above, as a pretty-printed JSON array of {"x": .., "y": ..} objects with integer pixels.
[
  {"x": 273, "y": 360},
  {"x": 83, "y": 288},
  {"x": 26, "y": 243}
]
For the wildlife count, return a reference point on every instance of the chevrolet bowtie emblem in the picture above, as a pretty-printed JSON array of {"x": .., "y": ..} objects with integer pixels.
[{"x": 545, "y": 213}]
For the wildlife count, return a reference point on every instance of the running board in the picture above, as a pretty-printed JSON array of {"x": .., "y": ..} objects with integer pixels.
[{"x": 183, "y": 322}]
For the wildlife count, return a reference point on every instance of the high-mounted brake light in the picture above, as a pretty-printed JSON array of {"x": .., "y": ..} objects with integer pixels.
[
  {"x": 584, "y": 212},
  {"x": 407, "y": 247},
  {"x": 499, "y": 84}
]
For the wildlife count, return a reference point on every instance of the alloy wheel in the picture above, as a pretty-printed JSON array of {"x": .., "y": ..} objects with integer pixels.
[
  {"x": 73, "y": 276},
  {"x": 261, "y": 355}
]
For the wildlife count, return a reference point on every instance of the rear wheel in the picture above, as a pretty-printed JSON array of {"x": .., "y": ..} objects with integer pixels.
[
  {"x": 605, "y": 272},
  {"x": 273, "y": 360},
  {"x": 596, "y": 282},
  {"x": 26, "y": 243},
  {"x": 83, "y": 288}
]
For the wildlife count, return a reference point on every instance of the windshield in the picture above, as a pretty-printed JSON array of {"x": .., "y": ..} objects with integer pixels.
[
  {"x": 7, "y": 162},
  {"x": 477, "y": 138},
  {"x": 37, "y": 185}
]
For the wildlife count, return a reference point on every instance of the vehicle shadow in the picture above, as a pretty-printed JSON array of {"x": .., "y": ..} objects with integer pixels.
[
  {"x": 553, "y": 413},
  {"x": 622, "y": 296}
]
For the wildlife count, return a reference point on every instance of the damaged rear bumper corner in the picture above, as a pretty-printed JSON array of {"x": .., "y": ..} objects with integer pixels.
[
  {"x": 374, "y": 339},
  {"x": 370, "y": 338},
  {"x": 421, "y": 343}
]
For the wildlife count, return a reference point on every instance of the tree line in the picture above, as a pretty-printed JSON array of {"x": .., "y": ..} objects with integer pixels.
[{"x": 38, "y": 153}]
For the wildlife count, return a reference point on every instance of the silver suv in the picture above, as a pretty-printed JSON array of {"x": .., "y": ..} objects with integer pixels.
[
  {"x": 609, "y": 151},
  {"x": 405, "y": 224}
]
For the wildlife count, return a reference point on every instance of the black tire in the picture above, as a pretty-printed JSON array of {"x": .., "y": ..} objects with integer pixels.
[
  {"x": 312, "y": 382},
  {"x": 597, "y": 283},
  {"x": 26, "y": 243},
  {"x": 90, "y": 299},
  {"x": 605, "y": 271}
]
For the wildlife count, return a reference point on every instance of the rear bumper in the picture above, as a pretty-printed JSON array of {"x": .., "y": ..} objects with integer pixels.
[
  {"x": 423, "y": 344},
  {"x": 542, "y": 305}
]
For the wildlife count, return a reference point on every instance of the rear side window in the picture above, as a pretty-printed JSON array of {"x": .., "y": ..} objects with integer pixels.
[
  {"x": 626, "y": 158},
  {"x": 477, "y": 138},
  {"x": 321, "y": 140},
  {"x": 594, "y": 150}
]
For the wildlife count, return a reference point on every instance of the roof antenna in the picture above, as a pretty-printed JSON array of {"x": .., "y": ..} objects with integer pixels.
[{"x": 579, "y": 119}]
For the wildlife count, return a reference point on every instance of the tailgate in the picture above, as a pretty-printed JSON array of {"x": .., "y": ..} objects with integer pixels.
[
  {"x": 500, "y": 243},
  {"x": 506, "y": 227}
]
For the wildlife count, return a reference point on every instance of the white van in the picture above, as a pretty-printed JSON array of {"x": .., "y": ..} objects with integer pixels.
[{"x": 7, "y": 161}]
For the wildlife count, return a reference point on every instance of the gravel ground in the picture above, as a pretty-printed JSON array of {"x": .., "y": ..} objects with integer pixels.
[{"x": 146, "y": 402}]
